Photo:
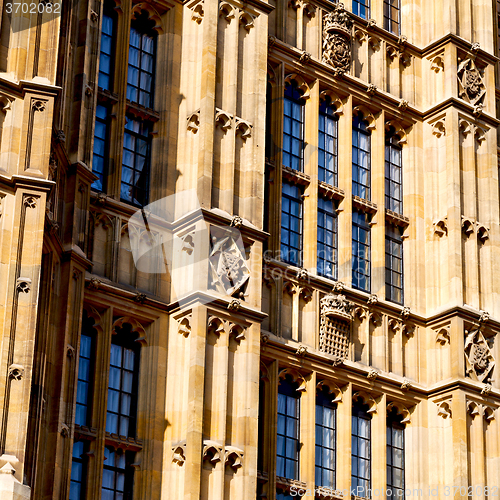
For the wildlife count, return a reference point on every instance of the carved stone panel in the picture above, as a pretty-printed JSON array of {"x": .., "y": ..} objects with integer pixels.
[
  {"x": 479, "y": 357},
  {"x": 337, "y": 39},
  {"x": 335, "y": 328},
  {"x": 471, "y": 84}
]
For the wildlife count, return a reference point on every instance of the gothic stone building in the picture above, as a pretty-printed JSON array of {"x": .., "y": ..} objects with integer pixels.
[{"x": 353, "y": 146}]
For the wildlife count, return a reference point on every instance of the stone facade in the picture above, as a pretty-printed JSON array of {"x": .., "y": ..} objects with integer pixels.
[{"x": 208, "y": 371}]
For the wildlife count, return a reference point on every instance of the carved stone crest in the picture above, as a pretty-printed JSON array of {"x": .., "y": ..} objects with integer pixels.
[
  {"x": 471, "y": 85},
  {"x": 479, "y": 357},
  {"x": 335, "y": 329},
  {"x": 337, "y": 306},
  {"x": 337, "y": 38}
]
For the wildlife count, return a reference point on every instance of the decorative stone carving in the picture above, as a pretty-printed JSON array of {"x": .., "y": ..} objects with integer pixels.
[
  {"x": 16, "y": 372},
  {"x": 367, "y": 399},
  {"x": 23, "y": 285},
  {"x": 38, "y": 105},
  {"x": 64, "y": 430},
  {"x": 198, "y": 12},
  {"x": 372, "y": 375},
  {"x": 439, "y": 128},
  {"x": 296, "y": 377},
  {"x": 375, "y": 318},
  {"x": 246, "y": 20},
  {"x": 483, "y": 233},
  {"x": 401, "y": 410},
  {"x": 335, "y": 329},
  {"x": 372, "y": 89},
  {"x": 30, "y": 201},
  {"x": 305, "y": 57},
  {"x": 467, "y": 225},
  {"x": 243, "y": 129},
  {"x": 70, "y": 351},
  {"x": 301, "y": 351},
  {"x": 302, "y": 274},
  {"x": 140, "y": 298},
  {"x": 437, "y": 62},
  {"x": 479, "y": 357},
  {"x": 443, "y": 336},
  {"x": 441, "y": 226},
  {"x": 337, "y": 39},
  {"x": 333, "y": 389},
  {"x": 471, "y": 84},
  {"x": 444, "y": 409},
  {"x": 306, "y": 294},
  {"x": 218, "y": 326},
  {"x": 478, "y": 110},
  {"x": 226, "y": 11},
  {"x": 372, "y": 299},
  {"x": 233, "y": 457},
  {"x": 338, "y": 287},
  {"x": 484, "y": 317},
  {"x": 405, "y": 313},
  {"x": 179, "y": 454},
  {"x": 223, "y": 120},
  {"x": 486, "y": 390},
  {"x": 212, "y": 451},
  {"x": 301, "y": 84},
  {"x": 94, "y": 284},
  {"x": 60, "y": 137},
  {"x": 185, "y": 326},
  {"x": 406, "y": 385},
  {"x": 229, "y": 273},
  {"x": 193, "y": 122},
  {"x": 403, "y": 105}
]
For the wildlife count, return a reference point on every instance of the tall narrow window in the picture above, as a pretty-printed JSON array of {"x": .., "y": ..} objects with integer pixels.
[
  {"x": 106, "y": 55},
  {"x": 393, "y": 264},
  {"x": 85, "y": 375},
  {"x": 327, "y": 139},
  {"x": 361, "y": 451},
  {"x": 136, "y": 160},
  {"x": 360, "y": 251},
  {"x": 78, "y": 471},
  {"x": 122, "y": 388},
  {"x": 327, "y": 239},
  {"x": 117, "y": 475},
  {"x": 287, "y": 455},
  {"x": 293, "y": 127},
  {"x": 141, "y": 61},
  {"x": 326, "y": 415},
  {"x": 291, "y": 224},
  {"x": 393, "y": 172},
  {"x": 395, "y": 456},
  {"x": 361, "y": 161},
  {"x": 361, "y": 8},
  {"x": 392, "y": 12},
  {"x": 100, "y": 156}
]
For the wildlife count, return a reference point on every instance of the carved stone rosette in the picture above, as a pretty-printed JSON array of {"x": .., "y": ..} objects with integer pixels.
[
  {"x": 336, "y": 319},
  {"x": 337, "y": 38},
  {"x": 471, "y": 84}
]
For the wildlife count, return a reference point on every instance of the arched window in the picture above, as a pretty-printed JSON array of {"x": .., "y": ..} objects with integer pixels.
[
  {"x": 123, "y": 383},
  {"x": 395, "y": 455},
  {"x": 361, "y": 160},
  {"x": 361, "y": 450},
  {"x": 287, "y": 450},
  {"x": 326, "y": 425}
]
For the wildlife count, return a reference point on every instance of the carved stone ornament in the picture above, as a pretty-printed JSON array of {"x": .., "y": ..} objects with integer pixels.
[
  {"x": 335, "y": 328},
  {"x": 94, "y": 284},
  {"x": 337, "y": 38},
  {"x": 38, "y": 105},
  {"x": 337, "y": 306},
  {"x": 179, "y": 454},
  {"x": 30, "y": 201},
  {"x": 479, "y": 357},
  {"x": 212, "y": 451},
  {"x": 23, "y": 285},
  {"x": 444, "y": 409},
  {"x": 233, "y": 457},
  {"x": 16, "y": 372},
  {"x": 471, "y": 84},
  {"x": 229, "y": 273}
]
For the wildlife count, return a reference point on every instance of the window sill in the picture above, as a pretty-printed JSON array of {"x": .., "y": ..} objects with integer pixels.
[
  {"x": 295, "y": 176},
  {"x": 364, "y": 205},
  {"x": 396, "y": 219},
  {"x": 330, "y": 192},
  {"x": 286, "y": 484}
]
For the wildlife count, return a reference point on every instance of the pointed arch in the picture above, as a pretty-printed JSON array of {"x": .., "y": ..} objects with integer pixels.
[
  {"x": 398, "y": 130},
  {"x": 135, "y": 325},
  {"x": 153, "y": 15},
  {"x": 302, "y": 85},
  {"x": 367, "y": 115},
  {"x": 367, "y": 399},
  {"x": 335, "y": 100},
  {"x": 296, "y": 377},
  {"x": 333, "y": 390},
  {"x": 401, "y": 410}
]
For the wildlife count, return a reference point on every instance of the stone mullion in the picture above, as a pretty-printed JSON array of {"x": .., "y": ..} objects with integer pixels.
[
  {"x": 19, "y": 333},
  {"x": 277, "y": 154},
  {"x": 379, "y": 446},
  {"x": 229, "y": 82},
  {"x": 311, "y": 168},
  {"x": 469, "y": 183},
  {"x": 377, "y": 236},
  {"x": 451, "y": 196},
  {"x": 459, "y": 442},
  {"x": 195, "y": 404},
  {"x": 99, "y": 405},
  {"x": 118, "y": 110},
  {"x": 345, "y": 183},
  {"x": 487, "y": 214},
  {"x": 300, "y": 26},
  {"x": 344, "y": 431},
  {"x": 457, "y": 346},
  {"x": 308, "y": 432}
]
